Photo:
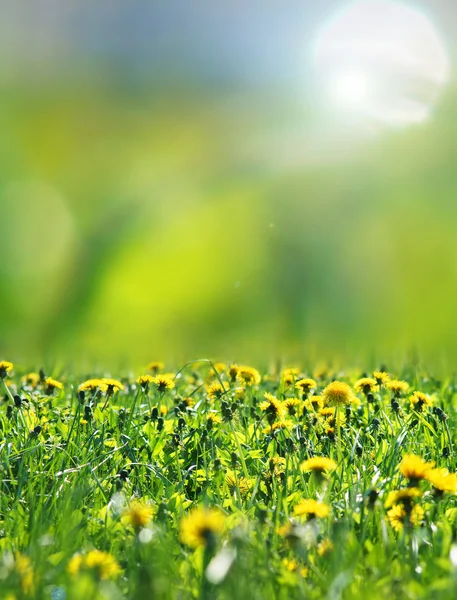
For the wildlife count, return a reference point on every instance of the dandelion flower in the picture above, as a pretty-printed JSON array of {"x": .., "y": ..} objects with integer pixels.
[
  {"x": 93, "y": 385},
  {"x": 155, "y": 366},
  {"x": 112, "y": 386},
  {"x": 318, "y": 464},
  {"x": 163, "y": 383},
  {"x": 338, "y": 394},
  {"x": 381, "y": 377},
  {"x": 312, "y": 509},
  {"x": 201, "y": 527},
  {"x": 248, "y": 376},
  {"x": 145, "y": 381},
  {"x": 139, "y": 514},
  {"x": 325, "y": 547},
  {"x": 233, "y": 372},
  {"x": 291, "y": 405},
  {"x": 31, "y": 379},
  {"x": 5, "y": 368},
  {"x": 419, "y": 400},
  {"x": 23, "y": 567},
  {"x": 237, "y": 484},
  {"x": 398, "y": 517},
  {"x": 414, "y": 467},
  {"x": 405, "y": 496},
  {"x": 397, "y": 386},
  {"x": 216, "y": 390},
  {"x": 272, "y": 407},
  {"x": 366, "y": 385},
  {"x": 306, "y": 385},
  {"x": 52, "y": 385},
  {"x": 442, "y": 480},
  {"x": 102, "y": 564}
]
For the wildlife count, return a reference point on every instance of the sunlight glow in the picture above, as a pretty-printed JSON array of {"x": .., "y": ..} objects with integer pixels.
[{"x": 382, "y": 59}]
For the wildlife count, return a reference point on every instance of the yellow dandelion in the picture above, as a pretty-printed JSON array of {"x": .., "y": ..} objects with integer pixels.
[
  {"x": 248, "y": 376},
  {"x": 237, "y": 484},
  {"x": 31, "y": 379},
  {"x": 314, "y": 403},
  {"x": 233, "y": 372},
  {"x": 405, "y": 496},
  {"x": 213, "y": 418},
  {"x": 305, "y": 385},
  {"x": 201, "y": 527},
  {"x": 337, "y": 394},
  {"x": 318, "y": 464},
  {"x": 102, "y": 564},
  {"x": 277, "y": 464},
  {"x": 163, "y": 383},
  {"x": 366, "y": 385},
  {"x": 5, "y": 367},
  {"x": 419, "y": 400},
  {"x": 442, "y": 480},
  {"x": 381, "y": 377},
  {"x": 139, "y": 514},
  {"x": 312, "y": 509},
  {"x": 291, "y": 405},
  {"x": 145, "y": 381},
  {"x": 112, "y": 385},
  {"x": 155, "y": 366},
  {"x": 290, "y": 375},
  {"x": 220, "y": 367},
  {"x": 23, "y": 567},
  {"x": 399, "y": 517},
  {"x": 273, "y": 407},
  {"x": 397, "y": 386},
  {"x": 286, "y": 424},
  {"x": 92, "y": 385},
  {"x": 414, "y": 467},
  {"x": 215, "y": 390},
  {"x": 325, "y": 547},
  {"x": 52, "y": 384}
]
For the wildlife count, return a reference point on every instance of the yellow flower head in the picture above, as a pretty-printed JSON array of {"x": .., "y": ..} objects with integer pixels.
[
  {"x": 92, "y": 385},
  {"x": 23, "y": 567},
  {"x": 289, "y": 375},
  {"x": 442, "y": 480},
  {"x": 248, "y": 376},
  {"x": 419, "y": 400},
  {"x": 414, "y": 467},
  {"x": 102, "y": 564},
  {"x": 31, "y": 379},
  {"x": 213, "y": 418},
  {"x": 366, "y": 385},
  {"x": 272, "y": 407},
  {"x": 156, "y": 366},
  {"x": 337, "y": 393},
  {"x": 237, "y": 484},
  {"x": 318, "y": 464},
  {"x": 52, "y": 384},
  {"x": 291, "y": 405},
  {"x": 145, "y": 380},
  {"x": 216, "y": 390},
  {"x": 397, "y": 386},
  {"x": 233, "y": 372},
  {"x": 312, "y": 509},
  {"x": 220, "y": 367},
  {"x": 286, "y": 424},
  {"x": 314, "y": 403},
  {"x": 399, "y": 517},
  {"x": 5, "y": 368},
  {"x": 405, "y": 496},
  {"x": 139, "y": 514},
  {"x": 201, "y": 526},
  {"x": 325, "y": 547},
  {"x": 163, "y": 383},
  {"x": 112, "y": 385},
  {"x": 381, "y": 377},
  {"x": 306, "y": 385}
]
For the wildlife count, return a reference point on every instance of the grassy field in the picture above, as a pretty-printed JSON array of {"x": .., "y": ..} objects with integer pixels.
[{"x": 224, "y": 481}]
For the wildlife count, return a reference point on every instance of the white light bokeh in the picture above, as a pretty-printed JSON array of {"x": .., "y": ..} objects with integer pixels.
[{"x": 383, "y": 61}]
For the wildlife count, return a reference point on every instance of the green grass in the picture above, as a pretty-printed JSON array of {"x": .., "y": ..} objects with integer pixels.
[{"x": 72, "y": 464}]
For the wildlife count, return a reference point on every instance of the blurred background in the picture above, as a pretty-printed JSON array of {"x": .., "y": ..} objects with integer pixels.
[{"x": 228, "y": 179}]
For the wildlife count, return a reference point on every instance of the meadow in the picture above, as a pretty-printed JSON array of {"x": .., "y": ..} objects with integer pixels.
[{"x": 224, "y": 481}]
